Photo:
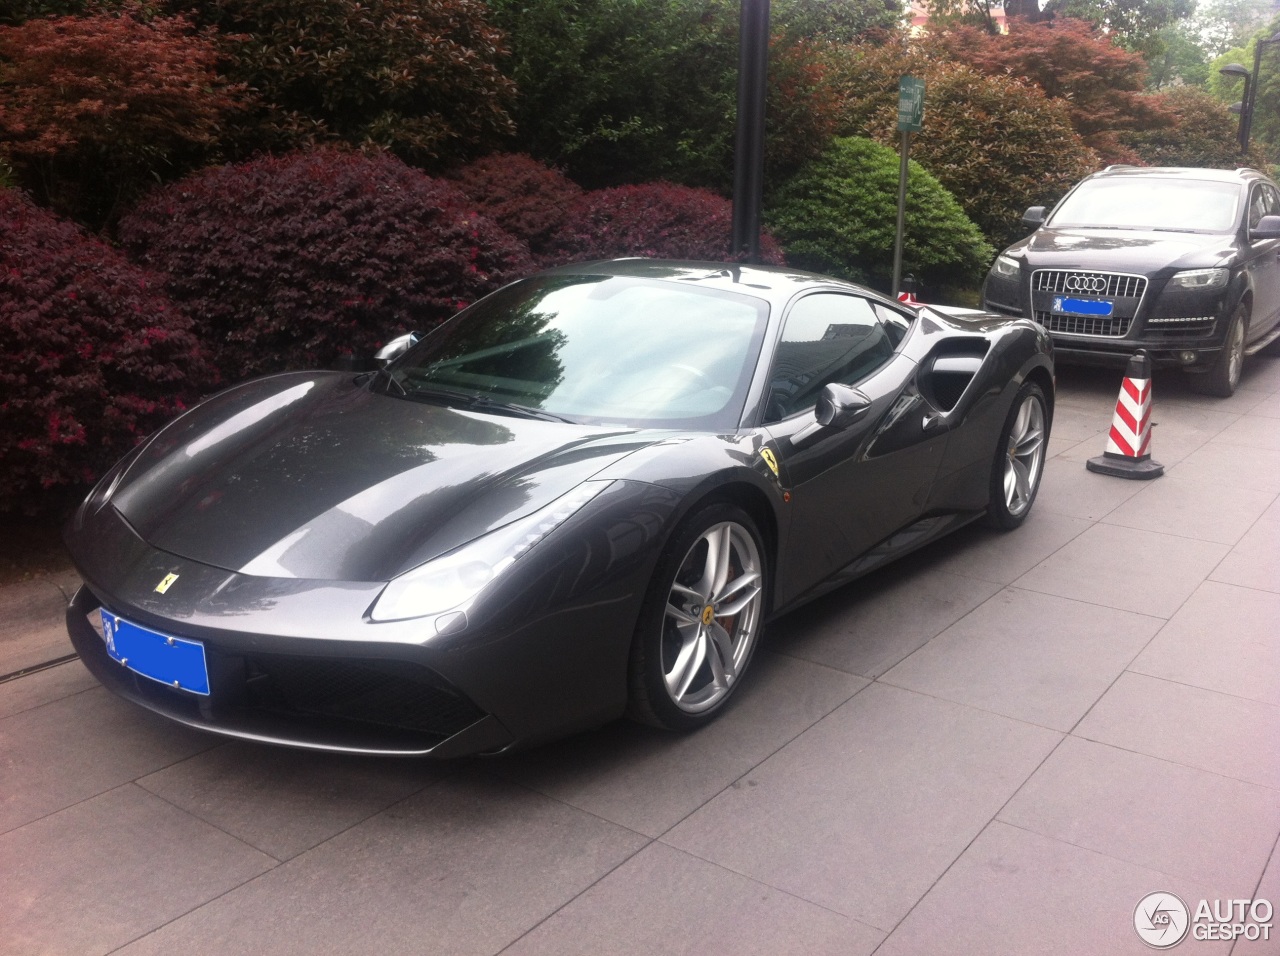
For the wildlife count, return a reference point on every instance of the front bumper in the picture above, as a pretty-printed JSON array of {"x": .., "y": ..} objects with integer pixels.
[
  {"x": 298, "y": 662},
  {"x": 1174, "y": 329}
]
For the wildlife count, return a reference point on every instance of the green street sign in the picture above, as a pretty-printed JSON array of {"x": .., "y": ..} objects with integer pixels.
[{"x": 910, "y": 104}]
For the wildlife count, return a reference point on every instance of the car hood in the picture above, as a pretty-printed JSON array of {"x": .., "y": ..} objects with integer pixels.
[
  {"x": 1115, "y": 250},
  {"x": 310, "y": 475}
]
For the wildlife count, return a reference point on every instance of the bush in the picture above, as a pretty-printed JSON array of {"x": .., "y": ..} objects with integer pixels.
[
  {"x": 94, "y": 109},
  {"x": 527, "y": 199},
  {"x": 421, "y": 79},
  {"x": 654, "y": 219},
  {"x": 1202, "y": 133},
  {"x": 92, "y": 355},
  {"x": 288, "y": 262},
  {"x": 996, "y": 143},
  {"x": 839, "y": 215}
]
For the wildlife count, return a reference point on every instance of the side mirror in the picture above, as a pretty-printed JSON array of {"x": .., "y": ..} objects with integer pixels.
[
  {"x": 839, "y": 406},
  {"x": 395, "y": 348},
  {"x": 1033, "y": 217},
  {"x": 1268, "y": 227}
]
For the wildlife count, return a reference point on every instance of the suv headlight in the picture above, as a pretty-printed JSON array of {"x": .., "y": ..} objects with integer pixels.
[
  {"x": 452, "y": 581},
  {"x": 1200, "y": 279},
  {"x": 1005, "y": 266}
]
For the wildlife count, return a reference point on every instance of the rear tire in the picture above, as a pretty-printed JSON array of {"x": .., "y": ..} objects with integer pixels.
[
  {"x": 701, "y": 620},
  {"x": 1019, "y": 461},
  {"x": 1223, "y": 376}
]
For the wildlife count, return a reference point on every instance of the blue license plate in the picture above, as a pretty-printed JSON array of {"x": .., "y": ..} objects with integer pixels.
[
  {"x": 173, "y": 661},
  {"x": 1065, "y": 305}
]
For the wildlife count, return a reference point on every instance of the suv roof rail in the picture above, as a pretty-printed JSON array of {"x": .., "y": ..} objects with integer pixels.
[{"x": 1119, "y": 166}]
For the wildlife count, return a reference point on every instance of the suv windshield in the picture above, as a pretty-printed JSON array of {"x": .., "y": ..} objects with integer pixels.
[
  {"x": 1179, "y": 205},
  {"x": 594, "y": 349}
]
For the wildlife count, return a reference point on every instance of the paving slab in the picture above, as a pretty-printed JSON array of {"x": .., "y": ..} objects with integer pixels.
[
  {"x": 1254, "y": 561},
  {"x": 1230, "y": 467},
  {"x": 668, "y": 902},
  {"x": 1225, "y": 638},
  {"x": 1030, "y": 656},
  {"x": 862, "y": 813},
  {"x": 32, "y": 630},
  {"x": 44, "y": 687},
  {"x": 96, "y": 875},
  {"x": 465, "y": 866},
  {"x": 1014, "y": 892},
  {"x": 1232, "y": 736},
  {"x": 872, "y": 624},
  {"x": 1269, "y": 890},
  {"x": 648, "y": 780},
  {"x": 1128, "y": 806},
  {"x": 1128, "y": 569},
  {"x": 1191, "y": 509},
  {"x": 1068, "y": 488},
  {"x": 77, "y": 747},
  {"x": 283, "y": 801},
  {"x": 979, "y": 552}
]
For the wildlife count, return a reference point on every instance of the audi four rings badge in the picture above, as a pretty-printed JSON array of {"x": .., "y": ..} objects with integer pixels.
[{"x": 1093, "y": 284}]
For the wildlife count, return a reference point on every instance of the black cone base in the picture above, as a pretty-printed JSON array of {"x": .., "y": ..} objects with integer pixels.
[{"x": 1122, "y": 466}]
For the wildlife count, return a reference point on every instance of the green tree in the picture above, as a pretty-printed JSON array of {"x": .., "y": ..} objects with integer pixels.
[
  {"x": 1201, "y": 133},
  {"x": 1134, "y": 24},
  {"x": 997, "y": 143},
  {"x": 619, "y": 91},
  {"x": 1100, "y": 82},
  {"x": 1266, "y": 115},
  {"x": 838, "y": 216}
]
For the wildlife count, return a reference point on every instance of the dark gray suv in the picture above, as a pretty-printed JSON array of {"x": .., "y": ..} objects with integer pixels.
[{"x": 1184, "y": 263}]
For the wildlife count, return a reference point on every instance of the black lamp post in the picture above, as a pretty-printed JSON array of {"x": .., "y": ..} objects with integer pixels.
[
  {"x": 1251, "y": 84},
  {"x": 748, "y": 172},
  {"x": 1242, "y": 133}
]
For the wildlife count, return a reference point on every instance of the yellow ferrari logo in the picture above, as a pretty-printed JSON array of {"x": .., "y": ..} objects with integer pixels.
[
  {"x": 770, "y": 459},
  {"x": 166, "y": 583},
  {"x": 708, "y": 615}
]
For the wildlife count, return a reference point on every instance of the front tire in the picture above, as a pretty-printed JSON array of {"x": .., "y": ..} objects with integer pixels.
[
  {"x": 1019, "y": 461},
  {"x": 1224, "y": 375},
  {"x": 701, "y": 620}
]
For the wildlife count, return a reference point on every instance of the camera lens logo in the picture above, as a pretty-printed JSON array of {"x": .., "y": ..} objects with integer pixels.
[{"x": 1161, "y": 920}]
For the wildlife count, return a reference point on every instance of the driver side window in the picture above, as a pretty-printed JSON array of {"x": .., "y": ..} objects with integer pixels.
[{"x": 828, "y": 337}]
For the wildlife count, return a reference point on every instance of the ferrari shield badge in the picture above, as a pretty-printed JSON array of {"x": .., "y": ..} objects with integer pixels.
[
  {"x": 770, "y": 459},
  {"x": 166, "y": 583}
]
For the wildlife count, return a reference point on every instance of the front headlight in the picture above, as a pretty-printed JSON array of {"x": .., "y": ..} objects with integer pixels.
[
  {"x": 1005, "y": 266},
  {"x": 452, "y": 581},
  {"x": 1200, "y": 279}
]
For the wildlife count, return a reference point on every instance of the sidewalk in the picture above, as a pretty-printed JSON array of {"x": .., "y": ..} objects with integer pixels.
[{"x": 998, "y": 746}]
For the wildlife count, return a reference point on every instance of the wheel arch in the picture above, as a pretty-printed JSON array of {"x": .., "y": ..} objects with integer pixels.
[{"x": 756, "y": 504}]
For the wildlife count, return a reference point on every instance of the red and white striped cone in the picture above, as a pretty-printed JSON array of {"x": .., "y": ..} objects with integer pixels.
[
  {"x": 908, "y": 298},
  {"x": 1128, "y": 452}
]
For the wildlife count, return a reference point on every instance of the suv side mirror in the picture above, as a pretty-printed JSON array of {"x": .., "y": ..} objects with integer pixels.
[
  {"x": 1033, "y": 217},
  {"x": 1268, "y": 227}
]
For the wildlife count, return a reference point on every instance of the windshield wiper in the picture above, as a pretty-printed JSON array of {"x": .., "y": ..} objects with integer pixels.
[
  {"x": 486, "y": 403},
  {"x": 444, "y": 396}
]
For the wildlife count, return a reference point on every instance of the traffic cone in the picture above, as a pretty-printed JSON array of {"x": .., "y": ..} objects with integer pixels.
[
  {"x": 908, "y": 299},
  {"x": 1128, "y": 453},
  {"x": 908, "y": 294}
]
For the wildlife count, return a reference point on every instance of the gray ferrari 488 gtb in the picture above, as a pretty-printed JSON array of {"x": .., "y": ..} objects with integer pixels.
[{"x": 582, "y": 496}]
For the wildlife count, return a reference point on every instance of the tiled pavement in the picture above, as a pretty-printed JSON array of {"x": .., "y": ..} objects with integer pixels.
[{"x": 998, "y": 746}]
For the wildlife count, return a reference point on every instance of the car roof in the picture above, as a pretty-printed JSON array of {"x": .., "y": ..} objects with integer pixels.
[
  {"x": 776, "y": 284},
  {"x": 1242, "y": 174}
]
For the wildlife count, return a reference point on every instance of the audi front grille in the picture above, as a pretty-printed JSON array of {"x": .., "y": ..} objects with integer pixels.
[{"x": 1124, "y": 291}]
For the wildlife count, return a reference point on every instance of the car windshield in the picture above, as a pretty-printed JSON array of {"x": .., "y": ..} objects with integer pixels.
[
  {"x": 1178, "y": 205},
  {"x": 595, "y": 349}
]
